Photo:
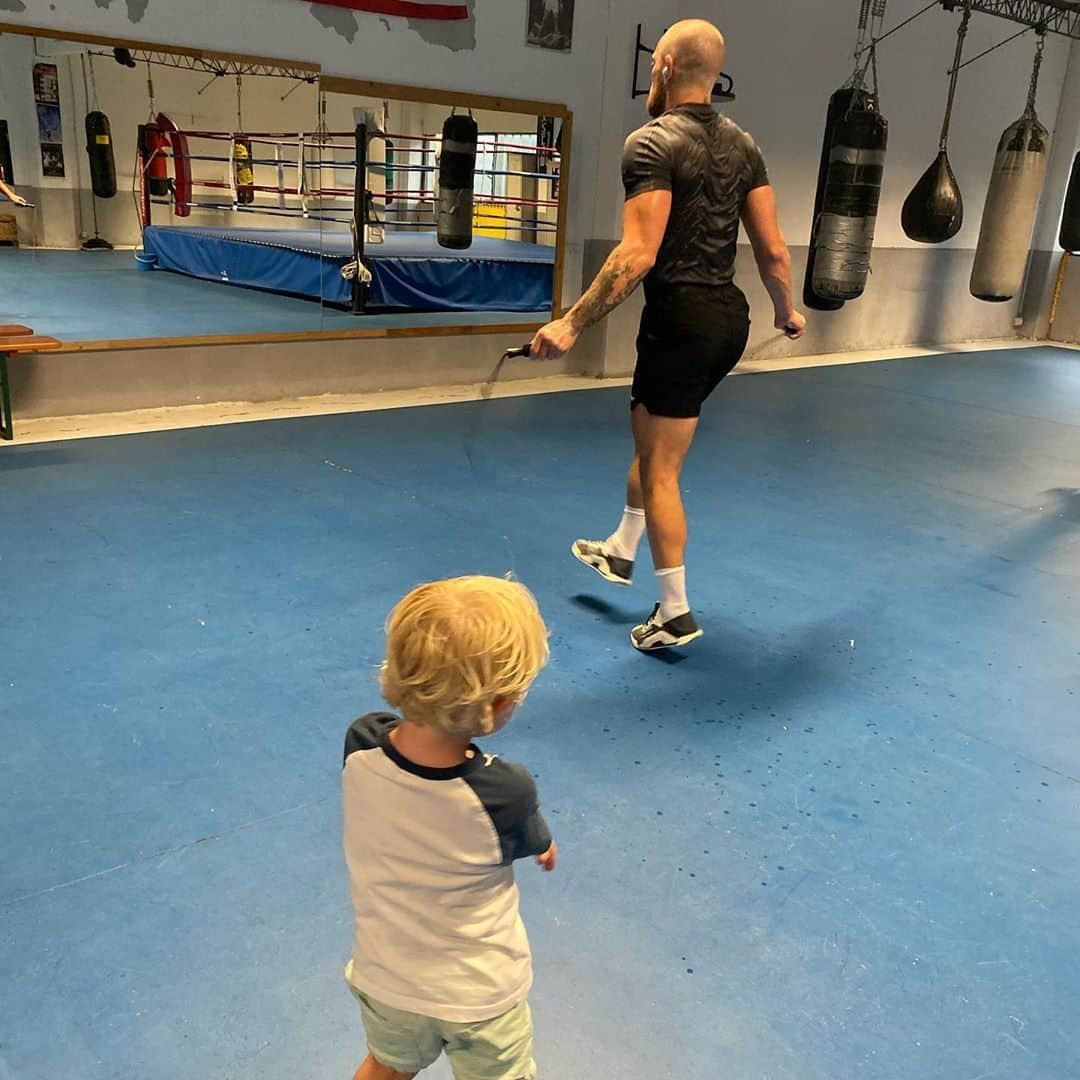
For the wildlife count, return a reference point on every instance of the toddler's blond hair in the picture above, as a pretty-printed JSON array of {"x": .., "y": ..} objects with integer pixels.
[{"x": 455, "y": 646}]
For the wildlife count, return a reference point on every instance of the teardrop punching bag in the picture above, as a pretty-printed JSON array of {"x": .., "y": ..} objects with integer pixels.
[
  {"x": 1009, "y": 216},
  {"x": 100, "y": 151},
  {"x": 934, "y": 211},
  {"x": 457, "y": 166},
  {"x": 1069, "y": 237},
  {"x": 844, "y": 233}
]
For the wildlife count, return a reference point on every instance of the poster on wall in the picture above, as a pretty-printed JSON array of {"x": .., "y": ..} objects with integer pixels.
[
  {"x": 50, "y": 125},
  {"x": 48, "y": 118},
  {"x": 46, "y": 85},
  {"x": 52, "y": 160},
  {"x": 551, "y": 24}
]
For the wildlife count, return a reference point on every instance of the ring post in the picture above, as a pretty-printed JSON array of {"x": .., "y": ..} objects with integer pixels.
[{"x": 359, "y": 289}]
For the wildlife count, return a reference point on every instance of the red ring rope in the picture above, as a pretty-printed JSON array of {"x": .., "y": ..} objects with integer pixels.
[{"x": 292, "y": 138}]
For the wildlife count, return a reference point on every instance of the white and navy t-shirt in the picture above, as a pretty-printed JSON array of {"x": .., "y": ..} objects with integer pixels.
[{"x": 430, "y": 854}]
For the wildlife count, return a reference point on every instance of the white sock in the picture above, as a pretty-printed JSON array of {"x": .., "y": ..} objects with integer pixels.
[
  {"x": 623, "y": 542},
  {"x": 673, "y": 602}
]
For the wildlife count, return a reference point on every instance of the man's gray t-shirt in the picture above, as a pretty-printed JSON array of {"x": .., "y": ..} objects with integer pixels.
[{"x": 709, "y": 164}]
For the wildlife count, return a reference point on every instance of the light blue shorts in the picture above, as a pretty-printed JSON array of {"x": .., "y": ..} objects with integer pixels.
[{"x": 496, "y": 1049}]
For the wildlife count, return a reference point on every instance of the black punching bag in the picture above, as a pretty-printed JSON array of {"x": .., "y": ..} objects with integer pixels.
[
  {"x": 100, "y": 151},
  {"x": 838, "y": 105},
  {"x": 7, "y": 169},
  {"x": 844, "y": 230},
  {"x": 934, "y": 211},
  {"x": 1069, "y": 237},
  {"x": 457, "y": 166}
]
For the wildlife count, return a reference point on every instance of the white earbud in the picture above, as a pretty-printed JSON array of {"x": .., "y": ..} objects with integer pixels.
[{"x": 666, "y": 75}]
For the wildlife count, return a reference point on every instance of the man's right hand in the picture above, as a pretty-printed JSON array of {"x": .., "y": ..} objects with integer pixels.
[{"x": 793, "y": 324}]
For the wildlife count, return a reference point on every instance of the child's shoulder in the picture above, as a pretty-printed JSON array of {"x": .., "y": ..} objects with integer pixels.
[
  {"x": 369, "y": 731},
  {"x": 502, "y": 781}
]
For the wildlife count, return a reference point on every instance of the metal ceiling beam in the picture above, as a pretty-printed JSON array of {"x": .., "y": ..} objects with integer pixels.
[
  {"x": 214, "y": 65},
  {"x": 1056, "y": 16}
]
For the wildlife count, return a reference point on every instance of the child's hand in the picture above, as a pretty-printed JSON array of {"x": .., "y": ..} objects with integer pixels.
[{"x": 549, "y": 858}]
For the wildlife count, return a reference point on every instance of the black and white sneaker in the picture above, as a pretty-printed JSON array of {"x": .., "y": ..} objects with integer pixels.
[
  {"x": 654, "y": 634},
  {"x": 610, "y": 567}
]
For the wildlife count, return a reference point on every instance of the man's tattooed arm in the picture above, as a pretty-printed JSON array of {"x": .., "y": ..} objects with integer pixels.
[{"x": 618, "y": 278}]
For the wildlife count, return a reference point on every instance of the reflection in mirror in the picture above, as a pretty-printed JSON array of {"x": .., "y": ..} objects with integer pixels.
[
  {"x": 167, "y": 191},
  {"x": 456, "y": 212}
]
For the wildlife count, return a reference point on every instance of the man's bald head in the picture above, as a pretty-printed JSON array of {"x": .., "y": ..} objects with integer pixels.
[{"x": 694, "y": 48}]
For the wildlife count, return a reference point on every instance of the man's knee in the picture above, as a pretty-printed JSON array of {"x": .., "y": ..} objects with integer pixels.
[{"x": 659, "y": 470}]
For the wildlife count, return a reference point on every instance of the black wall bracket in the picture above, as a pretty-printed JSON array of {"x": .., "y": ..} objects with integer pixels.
[{"x": 724, "y": 90}]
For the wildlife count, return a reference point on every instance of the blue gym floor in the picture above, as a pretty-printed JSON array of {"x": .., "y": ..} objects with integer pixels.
[
  {"x": 101, "y": 296},
  {"x": 839, "y": 837}
]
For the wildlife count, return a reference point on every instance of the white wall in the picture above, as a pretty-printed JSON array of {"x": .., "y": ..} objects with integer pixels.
[
  {"x": 52, "y": 222},
  {"x": 787, "y": 57},
  {"x": 385, "y": 49},
  {"x": 1066, "y": 145}
]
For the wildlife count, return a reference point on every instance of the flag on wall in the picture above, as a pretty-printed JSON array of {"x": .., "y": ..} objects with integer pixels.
[{"x": 413, "y": 9}]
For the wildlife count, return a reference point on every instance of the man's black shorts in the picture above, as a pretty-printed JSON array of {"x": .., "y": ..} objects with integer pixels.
[{"x": 691, "y": 336}]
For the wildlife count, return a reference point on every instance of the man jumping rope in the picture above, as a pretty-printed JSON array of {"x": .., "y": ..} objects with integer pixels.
[{"x": 690, "y": 176}]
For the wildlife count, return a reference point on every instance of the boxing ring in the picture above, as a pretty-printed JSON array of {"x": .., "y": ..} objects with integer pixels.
[
  {"x": 407, "y": 270},
  {"x": 360, "y": 242}
]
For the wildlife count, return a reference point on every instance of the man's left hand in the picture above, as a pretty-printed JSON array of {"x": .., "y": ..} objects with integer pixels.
[{"x": 554, "y": 340}]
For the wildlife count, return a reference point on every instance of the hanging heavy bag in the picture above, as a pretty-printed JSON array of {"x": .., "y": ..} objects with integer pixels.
[
  {"x": 845, "y": 228},
  {"x": 99, "y": 149},
  {"x": 1009, "y": 215},
  {"x": 934, "y": 211},
  {"x": 1069, "y": 237},
  {"x": 153, "y": 153},
  {"x": 6, "y": 166},
  {"x": 243, "y": 173},
  {"x": 391, "y": 179},
  {"x": 838, "y": 105},
  {"x": 1012, "y": 201},
  {"x": 457, "y": 167}
]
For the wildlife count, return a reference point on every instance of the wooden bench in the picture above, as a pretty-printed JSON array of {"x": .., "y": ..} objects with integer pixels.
[{"x": 14, "y": 340}]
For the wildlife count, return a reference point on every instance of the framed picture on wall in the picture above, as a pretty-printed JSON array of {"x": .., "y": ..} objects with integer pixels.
[
  {"x": 52, "y": 160},
  {"x": 551, "y": 24}
]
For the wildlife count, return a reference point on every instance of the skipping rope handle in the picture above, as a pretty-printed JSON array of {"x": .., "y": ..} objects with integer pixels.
[{"x": 513, "y": 354}]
